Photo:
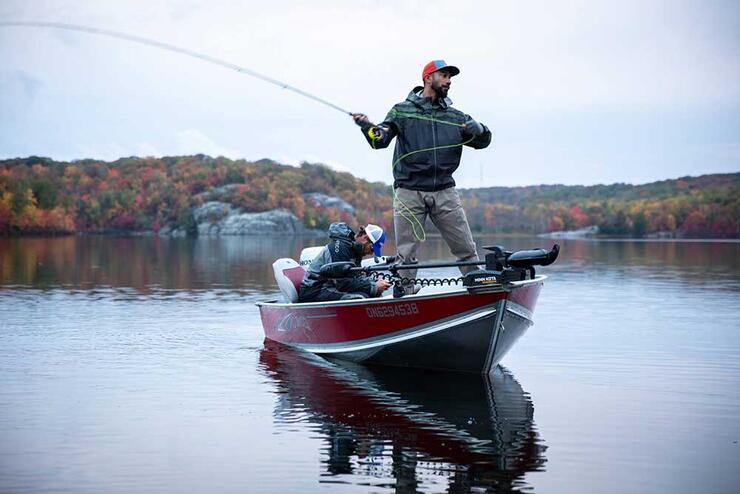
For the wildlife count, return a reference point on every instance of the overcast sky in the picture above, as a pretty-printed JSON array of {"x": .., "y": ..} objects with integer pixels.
[{"x": 576, "y": 92}]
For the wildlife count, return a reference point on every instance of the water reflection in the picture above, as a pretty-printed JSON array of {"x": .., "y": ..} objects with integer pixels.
[
  {"x": 409, "y": 430},
  {"x": 150, "y": 264},
  {"x": 145, "y": 264}
]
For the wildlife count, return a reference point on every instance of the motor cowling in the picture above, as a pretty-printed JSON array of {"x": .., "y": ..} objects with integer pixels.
[
  {"x": 309, "y": 254},
  {"x": 525, "y": 259}
]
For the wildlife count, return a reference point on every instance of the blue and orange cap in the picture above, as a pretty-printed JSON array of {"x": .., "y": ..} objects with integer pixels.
[{"x": 436, "y": 65}]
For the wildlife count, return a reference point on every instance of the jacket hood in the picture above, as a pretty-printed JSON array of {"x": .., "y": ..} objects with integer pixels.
[
  {"x": 341, "y": 230},
  {"x": 416, "y": 98}
]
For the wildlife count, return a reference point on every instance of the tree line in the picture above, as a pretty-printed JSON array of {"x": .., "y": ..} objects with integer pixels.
[
  {"x": 705, "y": 206},
  {"x": 43, "y": 196}
]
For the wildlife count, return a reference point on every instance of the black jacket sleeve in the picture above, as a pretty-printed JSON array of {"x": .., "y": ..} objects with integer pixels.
[
  {"x": 480, "y": 141},
  {"x": 389, "y": 128},
  {"x": 357, "y": 284}
]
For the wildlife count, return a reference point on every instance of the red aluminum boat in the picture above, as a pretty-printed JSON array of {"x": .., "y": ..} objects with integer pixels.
[{"x": 466, "y": 329}]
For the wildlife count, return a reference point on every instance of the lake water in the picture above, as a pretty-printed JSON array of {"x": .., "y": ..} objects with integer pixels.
[{"x": 138, "y": 365}]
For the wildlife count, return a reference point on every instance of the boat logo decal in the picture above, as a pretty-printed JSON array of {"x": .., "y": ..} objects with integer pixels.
[
  {"x": 395, "y": 310},
  {"x": 291, "y": 322}
]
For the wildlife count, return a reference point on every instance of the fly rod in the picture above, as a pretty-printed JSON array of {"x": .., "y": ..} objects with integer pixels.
[{"x": 176, "y": 49}]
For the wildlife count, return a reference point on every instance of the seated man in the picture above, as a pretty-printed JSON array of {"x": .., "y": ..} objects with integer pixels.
[{"x": 344, "y": 246}]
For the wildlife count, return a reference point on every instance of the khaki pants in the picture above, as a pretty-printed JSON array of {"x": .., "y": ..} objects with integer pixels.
[{"x": 410, "y": 211}]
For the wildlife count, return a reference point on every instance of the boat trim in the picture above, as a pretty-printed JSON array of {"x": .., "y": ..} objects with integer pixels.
[
  {"x": 381, "y": 341},
  {"x": 520, "y": 310},
  {"x": 496, "y": 331}
]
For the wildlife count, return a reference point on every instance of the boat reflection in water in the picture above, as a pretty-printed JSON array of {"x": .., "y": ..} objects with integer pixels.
[{"x": 409, "y": 430}]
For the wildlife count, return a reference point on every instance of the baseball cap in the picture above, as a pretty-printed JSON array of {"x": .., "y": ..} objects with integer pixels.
[
  {"x": 376, "y": 236},
  {"x": 436, "y": 65}
]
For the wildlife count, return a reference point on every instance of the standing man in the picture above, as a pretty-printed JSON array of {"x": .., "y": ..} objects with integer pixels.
[{"x": 430, "y": 136}]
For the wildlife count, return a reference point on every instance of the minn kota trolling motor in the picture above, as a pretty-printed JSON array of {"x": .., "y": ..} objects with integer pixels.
[{"x": 501, "y": 267}]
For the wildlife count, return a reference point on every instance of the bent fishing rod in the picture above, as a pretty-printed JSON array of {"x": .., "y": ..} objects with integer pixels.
[{"x": 176, "y": 49}]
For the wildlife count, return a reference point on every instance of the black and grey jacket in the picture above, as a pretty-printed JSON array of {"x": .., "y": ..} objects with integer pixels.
[
  {"x": 427, "y": 151},
  {"x": 341, "y": 248}
]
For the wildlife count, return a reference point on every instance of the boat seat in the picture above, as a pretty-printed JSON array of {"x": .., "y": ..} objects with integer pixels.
[{"x": 288, "y": 275}]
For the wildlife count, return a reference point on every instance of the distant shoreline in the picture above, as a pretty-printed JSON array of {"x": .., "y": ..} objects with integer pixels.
[{"x": 200, "y": 195}]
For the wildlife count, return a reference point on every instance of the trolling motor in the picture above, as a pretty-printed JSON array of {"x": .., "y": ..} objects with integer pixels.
[{"x": 502, "y": 266}]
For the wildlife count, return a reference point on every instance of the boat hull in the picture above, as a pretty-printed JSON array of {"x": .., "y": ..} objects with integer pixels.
[{"x": 454, "y": 330}]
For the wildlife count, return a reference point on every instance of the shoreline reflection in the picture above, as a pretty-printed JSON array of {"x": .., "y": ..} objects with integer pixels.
[
  {"x": 151, "y": 265},
  {"x": 409, "y": 430}
]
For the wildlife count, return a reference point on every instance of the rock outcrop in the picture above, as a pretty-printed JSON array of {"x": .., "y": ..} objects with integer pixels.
[
  {"x": 216, "y": 218},
  {"x": 320, "y": 199},
  {"x": 172, "y": 231},
  {"x": 219, "y": 218}
]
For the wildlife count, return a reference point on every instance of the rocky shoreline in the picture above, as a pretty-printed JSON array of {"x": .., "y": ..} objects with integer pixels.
[{"x": 215, "y": 219}]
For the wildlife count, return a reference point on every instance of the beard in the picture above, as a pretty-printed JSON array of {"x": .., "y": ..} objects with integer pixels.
[{"x": 439, "y": 90}]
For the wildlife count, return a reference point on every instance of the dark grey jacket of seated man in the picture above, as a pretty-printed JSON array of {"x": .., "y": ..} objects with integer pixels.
[{"x": 343, "y": 247}]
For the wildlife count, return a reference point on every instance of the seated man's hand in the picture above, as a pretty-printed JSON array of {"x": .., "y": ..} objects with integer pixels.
[{"x": 382, "y": 284}]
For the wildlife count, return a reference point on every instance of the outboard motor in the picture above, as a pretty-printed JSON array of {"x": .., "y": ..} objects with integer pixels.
[{"x": 309, "y": 254}]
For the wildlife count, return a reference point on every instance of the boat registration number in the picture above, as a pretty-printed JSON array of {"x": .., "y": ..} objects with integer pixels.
[{"x": 392, "y": 310}]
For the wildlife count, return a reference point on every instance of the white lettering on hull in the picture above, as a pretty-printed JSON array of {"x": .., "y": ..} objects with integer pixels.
[{"x": 395, "y": 310}]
